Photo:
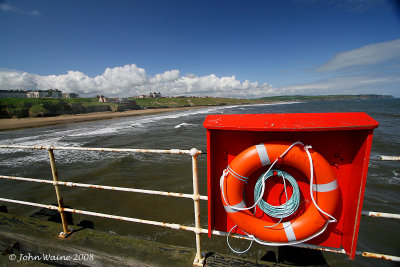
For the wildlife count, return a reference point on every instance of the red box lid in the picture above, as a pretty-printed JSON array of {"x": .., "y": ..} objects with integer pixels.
[{"x": 291, "y": 121}]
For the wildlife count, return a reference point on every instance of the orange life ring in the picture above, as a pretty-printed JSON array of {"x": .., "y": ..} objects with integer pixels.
[{"x": 325, "y": 192}]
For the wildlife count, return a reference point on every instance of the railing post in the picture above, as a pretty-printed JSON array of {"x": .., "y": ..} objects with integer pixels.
[
  {"x": 66, "y": 231},
  {"x": 198, "y": 260}
]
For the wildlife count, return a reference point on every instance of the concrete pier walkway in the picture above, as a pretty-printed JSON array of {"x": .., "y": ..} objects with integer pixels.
[{"x": 26, "y": 241}]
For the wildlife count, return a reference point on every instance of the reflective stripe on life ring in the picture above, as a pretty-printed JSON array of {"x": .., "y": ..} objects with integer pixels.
[{"x": 325, "y": 192}]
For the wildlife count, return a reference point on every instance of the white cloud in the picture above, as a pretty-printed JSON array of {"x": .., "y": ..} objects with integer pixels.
[
  {"x": 370, "y": 69},
  {"x": 358, "y": 84},
  {"x": 7, "y": 7},
  {"x": 168, "y": 76},
  {"x": 363, "y": 57},
  {"x": 15, "y": 79},
  {"x": 131, "y": 80}
]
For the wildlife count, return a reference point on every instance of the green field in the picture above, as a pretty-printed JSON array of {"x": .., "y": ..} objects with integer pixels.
[
  {"x": 46, "y": 107},
  {"x": 164, "y": 102}
]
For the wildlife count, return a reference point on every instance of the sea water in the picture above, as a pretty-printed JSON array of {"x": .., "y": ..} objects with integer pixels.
[{"x": 182, "y": 130}]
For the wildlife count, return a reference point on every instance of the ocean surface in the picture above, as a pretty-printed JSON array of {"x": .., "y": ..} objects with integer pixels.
[{"x": 183, "y": 130}]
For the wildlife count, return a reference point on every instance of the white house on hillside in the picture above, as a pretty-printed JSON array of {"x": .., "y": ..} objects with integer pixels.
[{"x": 51, "y": 93}]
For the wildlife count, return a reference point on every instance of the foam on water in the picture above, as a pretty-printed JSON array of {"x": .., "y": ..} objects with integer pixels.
[
  {"x": 95, "y": 132},
  {"x": 143, "y": 121},
  {"x": 183, "y": 124}
]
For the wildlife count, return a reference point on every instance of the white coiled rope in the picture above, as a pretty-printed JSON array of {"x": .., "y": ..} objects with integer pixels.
[{"x": 286, "y": 209}]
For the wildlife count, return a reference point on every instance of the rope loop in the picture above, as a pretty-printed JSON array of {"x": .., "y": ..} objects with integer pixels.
[{"x": 236, "y": 251}]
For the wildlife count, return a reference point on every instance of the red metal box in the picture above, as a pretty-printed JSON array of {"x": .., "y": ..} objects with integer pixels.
[{"x": 343, "y": 139}]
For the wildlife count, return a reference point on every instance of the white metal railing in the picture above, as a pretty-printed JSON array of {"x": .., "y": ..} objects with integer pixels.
[
  {"x": 66, "y": 231},
  {"x": 196, "y": 197}
]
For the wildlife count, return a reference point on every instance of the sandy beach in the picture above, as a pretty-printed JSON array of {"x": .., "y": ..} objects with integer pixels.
[{"x": 14, "y": 123}]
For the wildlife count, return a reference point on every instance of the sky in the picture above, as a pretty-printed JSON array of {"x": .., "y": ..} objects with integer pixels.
[{"x": 226, "y": 48}]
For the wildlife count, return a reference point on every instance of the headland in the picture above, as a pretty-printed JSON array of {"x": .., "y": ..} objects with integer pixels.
[{"x": 29, "y": 113}]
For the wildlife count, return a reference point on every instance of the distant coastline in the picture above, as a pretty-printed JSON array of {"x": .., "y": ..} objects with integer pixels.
[
  {"x": 219, "y": 101},
  {"x": 303, "y": 98},
  {"x": 93, "y": 111}
]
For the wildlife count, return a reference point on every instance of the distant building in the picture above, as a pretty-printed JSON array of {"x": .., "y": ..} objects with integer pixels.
[
  {"x": 37, "y": 94},
  {"x": 155, "y": 94},
  {"x": 54, "y": 93},
  {"x": 113, "y": 99},
  {"x": 151, "y": 95},
  {"x": 102, "y": 99},
  {"x": 70, "y": 95},
  {"x": 128, "y": 101},
  {"x": 51, "y": 93},
  {"x": 140, "y": 96},
  {"x": 13, "y": 94}
]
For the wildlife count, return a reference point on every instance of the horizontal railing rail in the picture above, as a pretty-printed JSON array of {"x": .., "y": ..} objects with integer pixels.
[
  {"x": 104, "y": 187},
  {"x": 100, "y": 149},
  {"x": 196, "y": 197},
  {"x": 380, "y": 214},
  {"x": 387, "y": 158},
  {"x": 102, "y": 215}
]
